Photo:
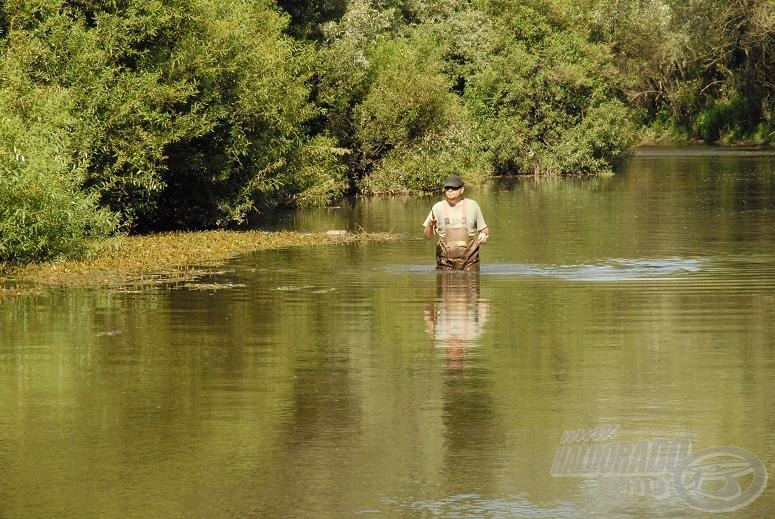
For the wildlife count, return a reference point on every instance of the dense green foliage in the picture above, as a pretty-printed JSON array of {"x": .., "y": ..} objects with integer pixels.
[
  {"x": 387, "y": 97},
  {"x": 185, "y": 113},
  {"x": 44, "y": 212},
  {"x": 698, "y": 70},
  {"x": 149, "y": 114}
]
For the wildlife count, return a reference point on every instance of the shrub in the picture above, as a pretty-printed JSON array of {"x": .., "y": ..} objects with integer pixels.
[
  {"x": 44, "y": 212},
  {"x": 190, "y": 113},
  {"x": 549, "y": 101}
]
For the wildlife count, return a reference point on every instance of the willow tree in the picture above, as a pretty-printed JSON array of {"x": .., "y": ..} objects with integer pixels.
[
  {"x": 186, "y": 113},
  {"x": 44, "y": 210},
  {"x": 704, "y": 68},
  {"x": 548, "y": 99},
  {"x": 387, "y": 98},
  {"x": 732, "y": 66}
]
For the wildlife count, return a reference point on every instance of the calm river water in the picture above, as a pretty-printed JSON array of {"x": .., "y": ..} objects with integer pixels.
[{"x": 352, "y": 380}]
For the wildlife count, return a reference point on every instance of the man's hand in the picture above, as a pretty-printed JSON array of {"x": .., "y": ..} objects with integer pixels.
[
  {"x": 430, "y": 229},
  {"x": 483, "y": 237}
]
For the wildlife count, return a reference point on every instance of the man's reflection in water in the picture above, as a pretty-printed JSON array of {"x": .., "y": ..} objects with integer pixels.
[
  {"x": 472, "y": 433},
  {"x": 457, "y": 316}
]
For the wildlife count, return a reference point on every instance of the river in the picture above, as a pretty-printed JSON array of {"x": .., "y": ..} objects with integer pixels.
[{"x": 353, "y": 380}]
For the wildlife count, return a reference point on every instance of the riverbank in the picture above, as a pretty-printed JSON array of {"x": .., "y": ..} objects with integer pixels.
[
  {"x": 676, "y": 137},
  {"x": 162, "y": 258}
]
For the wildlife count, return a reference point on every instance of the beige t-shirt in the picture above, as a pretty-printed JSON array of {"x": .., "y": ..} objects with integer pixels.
[{"x": 465, "y": 212}]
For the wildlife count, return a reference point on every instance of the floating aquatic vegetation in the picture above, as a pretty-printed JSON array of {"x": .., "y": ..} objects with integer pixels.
[
  {"x": 167, "y": 258},
  {"x": 16, "y": 292},
  {"x": 212, "y": 286}
]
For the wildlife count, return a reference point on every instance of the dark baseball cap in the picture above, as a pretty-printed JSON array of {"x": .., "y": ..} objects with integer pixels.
[{"x": 454, "y": 181}]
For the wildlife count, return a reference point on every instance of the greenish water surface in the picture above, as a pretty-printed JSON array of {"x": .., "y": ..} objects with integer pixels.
[{"x": 353, "y": 380}]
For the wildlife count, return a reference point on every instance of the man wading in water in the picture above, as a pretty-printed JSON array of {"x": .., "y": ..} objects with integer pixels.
[{"x": 461, "y": 228}]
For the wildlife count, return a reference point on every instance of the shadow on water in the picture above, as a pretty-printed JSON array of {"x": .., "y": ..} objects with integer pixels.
[{"x": 616, "y": 269}]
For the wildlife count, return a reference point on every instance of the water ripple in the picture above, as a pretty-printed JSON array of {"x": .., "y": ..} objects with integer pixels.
[{"x": 616, "y": 269}]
